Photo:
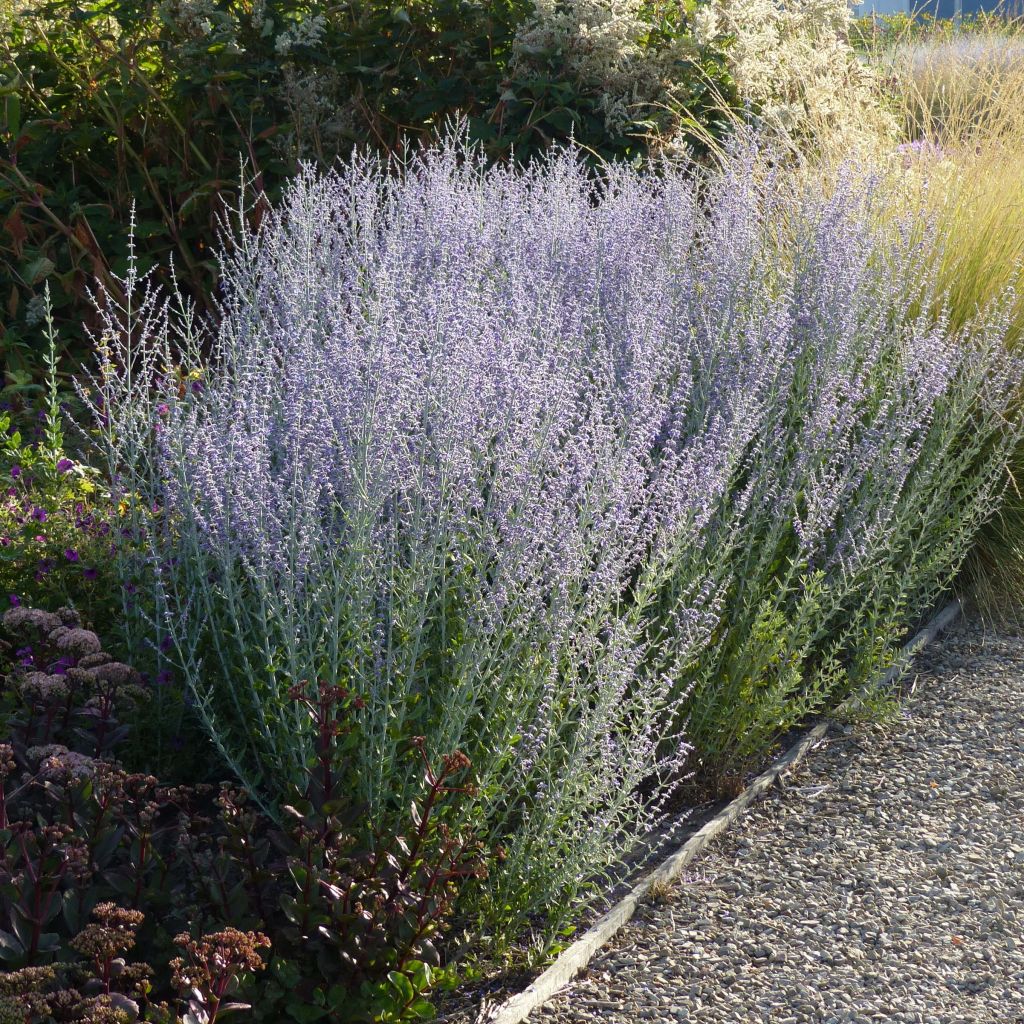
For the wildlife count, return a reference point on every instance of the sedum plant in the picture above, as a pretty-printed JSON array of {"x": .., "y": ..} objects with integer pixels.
[{"x": 540, "y": 468}]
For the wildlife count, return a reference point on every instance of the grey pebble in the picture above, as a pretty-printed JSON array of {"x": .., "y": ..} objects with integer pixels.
[{"x": 884, "y": 883}]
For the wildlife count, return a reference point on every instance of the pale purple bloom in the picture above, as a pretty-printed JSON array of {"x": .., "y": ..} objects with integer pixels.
[{"x": 522, "y": 459}]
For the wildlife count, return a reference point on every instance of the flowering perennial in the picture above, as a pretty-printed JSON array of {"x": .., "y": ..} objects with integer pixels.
[{"x": 538, "y": 468}]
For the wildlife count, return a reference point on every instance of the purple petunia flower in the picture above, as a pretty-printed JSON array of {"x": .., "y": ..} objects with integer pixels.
[
  {"x": 14, "y": 599},
  {"x": 71, "y": 555},
  {"x": 164, "y": 678},
  {"x": 39, "y": 514},
  {"x": 64, "y": 465},
  {"x": 89, "y": 573},
  {"x": 15, "y": 471}
]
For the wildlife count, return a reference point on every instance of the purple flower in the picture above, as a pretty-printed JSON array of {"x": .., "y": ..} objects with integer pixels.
[
  {"x": 71, "y": 554},
  {"x": 557, "y": 392},
  {"x": 164, "y": 678},
  {"x": 64, "y": 465},
  {"x": 15, "y": 471},
  {"x": 39, "y": 514},
  {"x": 14, "y": 599},
  {"x": 163, "y": 409},
  {"x": 89, "y": 572}
]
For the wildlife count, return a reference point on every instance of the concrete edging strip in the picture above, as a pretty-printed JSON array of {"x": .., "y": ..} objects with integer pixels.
[{"x": 576, "y": 957}]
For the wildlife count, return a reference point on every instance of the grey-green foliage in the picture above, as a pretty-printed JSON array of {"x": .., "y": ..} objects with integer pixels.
[{"x": 542, "y": 470}]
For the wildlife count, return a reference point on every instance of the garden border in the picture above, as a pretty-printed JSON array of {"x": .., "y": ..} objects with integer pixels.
[{"x": 576, "y": 957}]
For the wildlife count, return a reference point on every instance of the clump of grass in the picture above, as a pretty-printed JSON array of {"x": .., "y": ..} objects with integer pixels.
[
  {"x": 960, "y": 102},
  {"x": 964, "y": 91}
]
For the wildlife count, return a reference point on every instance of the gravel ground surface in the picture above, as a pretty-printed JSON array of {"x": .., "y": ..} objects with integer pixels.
[{"x": 885, "y": 882}]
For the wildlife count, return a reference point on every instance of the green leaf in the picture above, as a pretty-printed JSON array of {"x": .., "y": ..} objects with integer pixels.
[
  {"x": 422, "y": 1009},
  {"x": 36, "y": 270},
  {"x": 403, "y": 986},
  {"x": 12, "y": 106},
  {"x": 10, "y": 947},
  {"x": 305, "y": 1014}
]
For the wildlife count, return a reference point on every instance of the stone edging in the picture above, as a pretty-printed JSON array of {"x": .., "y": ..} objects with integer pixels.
[{"x": 575, "y": 958}]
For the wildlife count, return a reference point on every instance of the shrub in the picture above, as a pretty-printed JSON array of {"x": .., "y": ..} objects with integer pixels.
[
  {"x": 56, "y": 526},
  {"x": 638, "y": 75},
  {"x": 872, "y": 32},
  {"x": 539, "y": 467},
  {"x": 482, "y": 511},
  {"x": 977, "y": 197},
  {"x": 793, "y": 63},
  {"x": 959, "y": 99}
]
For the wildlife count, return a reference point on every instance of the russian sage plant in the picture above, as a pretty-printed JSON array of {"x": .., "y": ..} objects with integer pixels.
[{"x": 540, "y": 468}]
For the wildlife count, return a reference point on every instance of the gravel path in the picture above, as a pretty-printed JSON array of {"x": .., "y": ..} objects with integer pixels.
[{"x": 884, "y": 883}]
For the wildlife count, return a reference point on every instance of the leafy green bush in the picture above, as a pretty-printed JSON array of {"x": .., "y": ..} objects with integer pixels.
[
  {"x": 873, "y": 31},
  {"x": 110, "y": 106},
  {"x": 57, "y": 529}
]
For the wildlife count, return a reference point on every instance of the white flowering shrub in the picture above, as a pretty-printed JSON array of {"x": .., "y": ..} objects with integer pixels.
[
  {"x": 793, "y": 63},
  {"x": 638, "y": 63}
]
